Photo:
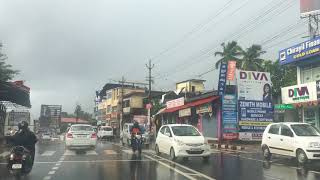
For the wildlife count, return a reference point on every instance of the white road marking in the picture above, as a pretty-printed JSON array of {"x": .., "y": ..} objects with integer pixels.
[
  {"x": 69, "y": 153},
  {"x": 58, "y": 164},
  {"x": 52, "y": 172},
  {"x": 48, "y": 153},
  {"x": 4, "y": 154},
  {"x": 184, "y": 167},
  {"x": 55, "y": 168},
  {"x": 172, "y": 168},
  {"x": 47, "y": 178}
]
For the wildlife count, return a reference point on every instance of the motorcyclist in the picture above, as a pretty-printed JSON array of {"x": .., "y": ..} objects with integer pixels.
[
  {"x": 26, "y": 138},
  {"x": 135, "y": 130}
]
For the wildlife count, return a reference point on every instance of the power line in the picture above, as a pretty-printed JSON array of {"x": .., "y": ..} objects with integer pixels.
[{"x": 197, "y": 28}]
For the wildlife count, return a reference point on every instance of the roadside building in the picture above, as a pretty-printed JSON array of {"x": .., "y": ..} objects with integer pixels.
[{"x": 305, "y": 95}]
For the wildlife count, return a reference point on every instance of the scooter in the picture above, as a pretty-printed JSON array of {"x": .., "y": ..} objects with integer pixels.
[
  {"x": 20, "y": 161},
  {"x": 137, "y": 143}
]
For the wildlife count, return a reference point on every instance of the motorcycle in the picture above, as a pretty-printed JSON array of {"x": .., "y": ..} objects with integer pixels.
[
  {"x": 20, "y": 161},
  {"x": 137, "y": 143}
]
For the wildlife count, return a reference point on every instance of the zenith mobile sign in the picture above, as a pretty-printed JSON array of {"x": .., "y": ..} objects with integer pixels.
[
  {"x": 299, "y": 93},
  {"x": 300, "y": 51}
]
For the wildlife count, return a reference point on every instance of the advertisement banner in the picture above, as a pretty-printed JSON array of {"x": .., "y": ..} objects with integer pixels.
[
  {"x": 299, "y": 93},
  {"x": 309, "y": 7},
  {"x": 175, "y": 103},
  {"x": 300, "y": 51},
  {"x": 222, "y": 78},
  {"x": 185, "y": 112},
  {"x": 231, "y": 70},
  {"x": 255, "y": 115},
  {"x": 229, "y": 117},
  {"x": 254, "y": 85}
]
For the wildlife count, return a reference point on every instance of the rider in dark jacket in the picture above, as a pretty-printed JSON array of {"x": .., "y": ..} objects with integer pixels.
[{"x": 26, "y": 138}]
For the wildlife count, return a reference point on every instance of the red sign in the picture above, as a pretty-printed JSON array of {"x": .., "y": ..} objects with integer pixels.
[
  {"x": 230, "y": 136},
  {"x": 231, "y": 70},
  {"x": 149, "y": 106}
]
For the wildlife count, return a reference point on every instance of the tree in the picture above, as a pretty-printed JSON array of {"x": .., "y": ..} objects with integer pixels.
[
  {"x": 231, "y": 51},
  {"x": 80, "y": 114},
  {"x": 251, "y": 60},
  {"x": 281, "y": 76},
  {"x": 6, "y": 71}
]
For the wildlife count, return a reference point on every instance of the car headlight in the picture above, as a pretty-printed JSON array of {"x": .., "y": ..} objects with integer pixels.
[
  {"x": 314, "y": 145},
  {"x": 180, "y": 143}
]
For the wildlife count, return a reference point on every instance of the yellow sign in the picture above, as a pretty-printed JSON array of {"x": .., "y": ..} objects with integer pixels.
[{"x": 253, "y": 123}]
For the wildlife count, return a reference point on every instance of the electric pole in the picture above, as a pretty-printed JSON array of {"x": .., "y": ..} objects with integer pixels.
[
  {"x": 313, "y": 25},
  {"x": 149, "y": 67}
]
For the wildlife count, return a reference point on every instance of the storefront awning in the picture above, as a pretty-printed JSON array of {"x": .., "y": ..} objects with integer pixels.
[
  {"x": 191, "y": 104},
  {"x": 15, "y": 92}
]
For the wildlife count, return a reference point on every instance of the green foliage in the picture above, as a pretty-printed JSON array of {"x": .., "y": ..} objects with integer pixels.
[
  {"x": 231, "y": 51},
  {"x": 251, "y": 60},
  {"x": 6, "y": 71}
]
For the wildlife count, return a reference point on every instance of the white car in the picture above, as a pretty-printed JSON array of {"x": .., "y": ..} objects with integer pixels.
[
  {"x": 300, "y": 140},
  {"x": 105, "y": 132},
  {"x": 81, "y": 136},
  {"x": 46, "y": 136},
  {"x": 181, "y": 140}
]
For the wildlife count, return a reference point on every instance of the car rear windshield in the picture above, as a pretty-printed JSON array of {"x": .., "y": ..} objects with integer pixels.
[
  {"x": 81, "y": 128},
  {"x": 305, "y": 130},
  {"x": 107, "y": 129},
  {"x": 185, "y": 131}
]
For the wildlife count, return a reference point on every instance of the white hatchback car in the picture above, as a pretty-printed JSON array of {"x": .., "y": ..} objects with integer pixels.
[
  {"x": 300, "y": 140},
  {"x": 81, "y": 136},
  {"x": 105, "y": 132},
  {"x": 181, "y": 140}
]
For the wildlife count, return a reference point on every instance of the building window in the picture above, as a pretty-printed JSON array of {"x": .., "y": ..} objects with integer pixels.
[
  {"x": 108, "y": 109},
  {"x": 310, "y": 73}
]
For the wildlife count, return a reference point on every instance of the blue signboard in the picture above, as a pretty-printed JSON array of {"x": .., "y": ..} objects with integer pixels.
[
  {"x": 229, "y": 114},
  {"x": 300, "y": 51},
  {"x": 254, "y": 116},
  {"x": 222, "y": 78}
]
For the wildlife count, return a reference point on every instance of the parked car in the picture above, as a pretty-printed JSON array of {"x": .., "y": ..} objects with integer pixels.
[
  {"x": 81, "y": 136},
  {"x": 126, "y": 136},
  {"x": 181, "y": 140},
  {"x": 105, "y": 132},
  {"x": 300, "y": 140}
]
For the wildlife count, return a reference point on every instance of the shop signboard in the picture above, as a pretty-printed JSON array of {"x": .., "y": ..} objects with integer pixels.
[
  {"x": 309, "y": 7},
  {"x": 300, "y": 51},
  {"x": 207, "y": 108},
  {"x": 299, "y": 93},
  {"x": 229, "y": 117},
  {"x": 175, "y": 103},
  {"x": 222, "y": 78},
  {"x": 255, "y": 108},
  {"x": 283, "y": 106},
  {"x": 185, "y": 112}
]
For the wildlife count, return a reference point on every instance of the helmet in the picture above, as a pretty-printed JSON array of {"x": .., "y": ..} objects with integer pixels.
[{"x": 23, "y": 125}]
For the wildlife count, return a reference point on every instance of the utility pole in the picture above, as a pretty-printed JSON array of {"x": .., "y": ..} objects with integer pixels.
[
  {"x": 121, "y": 101},
  {"x": 149, "y": 67},
  {"x": 313, "y": 25}
]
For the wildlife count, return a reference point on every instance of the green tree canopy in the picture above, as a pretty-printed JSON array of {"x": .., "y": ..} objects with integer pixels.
[
  {"x": 230, "y": 51},
  {"x": 6, "y": 71},
  {"x": 251, "y": 60}
]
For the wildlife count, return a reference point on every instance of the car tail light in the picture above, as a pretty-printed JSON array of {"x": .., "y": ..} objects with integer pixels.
[
  {"x": 69, "y": 135},
  {"x": 94, "y": 135}
]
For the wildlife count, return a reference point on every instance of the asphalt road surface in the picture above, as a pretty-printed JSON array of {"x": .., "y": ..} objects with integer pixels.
[{"x": 113, "y": 161}]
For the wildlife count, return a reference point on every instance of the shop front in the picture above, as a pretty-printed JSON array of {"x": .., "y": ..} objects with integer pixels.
[{"x": 207, "y": 121}]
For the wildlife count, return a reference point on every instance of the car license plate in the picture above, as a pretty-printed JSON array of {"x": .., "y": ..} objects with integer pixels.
[
  {"x": 16, "y": 166},
  {"x": 195, "y": 149},
  {"x": 82, "y": 136}
]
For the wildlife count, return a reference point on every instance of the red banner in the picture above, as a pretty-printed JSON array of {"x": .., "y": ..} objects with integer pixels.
[{"x": 231, "y": 70}]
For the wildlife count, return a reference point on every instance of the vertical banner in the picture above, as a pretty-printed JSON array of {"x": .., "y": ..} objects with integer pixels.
[
  {"x": 255, "y": 108},
  {"x": 229, "y": 117},
  {"x": 231, "y": 70},
  {"x": 222, "y": 78}
]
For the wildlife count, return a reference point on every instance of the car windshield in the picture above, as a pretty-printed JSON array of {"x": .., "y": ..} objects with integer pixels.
[
  {"x": 107, "y": 129},
  {"x": 305, "y": 130},
  {"x": 185, "y": 131},
  {"x": 81, "y": 128}
]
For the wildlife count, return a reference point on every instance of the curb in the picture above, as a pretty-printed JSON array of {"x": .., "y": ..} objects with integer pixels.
[{"x": 227, "y": 146}]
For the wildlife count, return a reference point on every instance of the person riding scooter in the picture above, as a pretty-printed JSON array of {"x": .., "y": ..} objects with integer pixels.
[
  {"x": 135, "y": 130},
  {"x": 26, "y": 138}
]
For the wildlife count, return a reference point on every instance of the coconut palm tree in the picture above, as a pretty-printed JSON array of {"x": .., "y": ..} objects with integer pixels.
[
  {"x": 251, "y": 60},
  {"x": 230, "y": 51}
]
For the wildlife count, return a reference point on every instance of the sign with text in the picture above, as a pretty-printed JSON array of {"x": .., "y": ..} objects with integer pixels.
[
  {"x": 254, "y": 85},
  {"x": 299, "y": 93},
  {"x": 229, "y": 117},
  {"x": 222, "y": 78},
  {"x": 185, "y": 112},
  {"x": 300, "y": 51},
  {"x": 207, "y": 108},
  {"x": 254, "y": 116},
  {"x": 175, "y": 103},
  {"x": 231, "y": 70}
]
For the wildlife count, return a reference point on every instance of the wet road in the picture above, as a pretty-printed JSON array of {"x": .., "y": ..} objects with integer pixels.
[{"x": 112, "y": 161}]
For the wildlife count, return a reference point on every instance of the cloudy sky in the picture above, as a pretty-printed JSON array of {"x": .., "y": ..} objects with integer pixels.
[{"x": 67, "y": 49}]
